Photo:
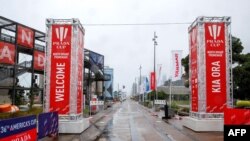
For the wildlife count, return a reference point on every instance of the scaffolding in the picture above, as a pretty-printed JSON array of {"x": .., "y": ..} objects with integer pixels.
[
  {"x": 11, "y": 71},
  {"x": 74, "y": 37},
  {"x": 198, "y": 26}
]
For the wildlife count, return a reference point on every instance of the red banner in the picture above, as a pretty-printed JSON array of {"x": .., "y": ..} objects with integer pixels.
[
  {"x": 80, "y": 72},
  {"x": 237, "y": 116},
  {"x": 29, "y": 135},
  {"x": 60, "y": 68},
  {"x": 152, "y": 81},
  {"x": 39, "y": 59},
  {"x": 7, "y": 53},
  {"x": 18, "y": 129},
  {"x": 25, "y": 36},
  {"x": 215, "y": 67},
  {"x": 194, "y": 73}
]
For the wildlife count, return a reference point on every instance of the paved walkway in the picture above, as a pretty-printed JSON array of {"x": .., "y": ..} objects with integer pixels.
[
  {"x": 94, "y": 130},
  {"x": 178, "y": 132},
  {"x": 130, "y": 121}
]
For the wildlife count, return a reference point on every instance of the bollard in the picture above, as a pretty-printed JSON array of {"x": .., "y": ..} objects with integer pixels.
[{"x": 166, "y": 112}]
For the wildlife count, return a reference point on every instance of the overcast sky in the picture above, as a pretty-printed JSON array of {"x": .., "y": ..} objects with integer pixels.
[{"x": 127, "y": 47}]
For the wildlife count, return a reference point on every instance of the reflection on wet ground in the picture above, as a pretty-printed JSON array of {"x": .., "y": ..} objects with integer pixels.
[
  {"x": 130, "y": 121},
  {"x": 130, "y": 124}
]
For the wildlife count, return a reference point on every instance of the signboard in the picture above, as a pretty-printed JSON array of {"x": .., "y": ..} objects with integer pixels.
[
  {"x": 193, "y": 67},
  {"x": 25, "y": 36},
  {"x": 39, "y": 59},
  {"x": 64, "y": 67},
  {"x": 48, "y": 124},
  {"x": 215, "y": 55},
  {"x": 176, "y": 59},
  {"x": 97, "y": 59},
  {"x": 96, "y": 102},
  {"x": 18, "y": 129},
  {"x": 152, "y": 81},
  {"x": 108, "y": 85},
  {"x": 237, "y": 116},
  {"x": 7, "y": 53},
  {"x": 60, "y": 61},
  {"x": 161, "y": 102}
]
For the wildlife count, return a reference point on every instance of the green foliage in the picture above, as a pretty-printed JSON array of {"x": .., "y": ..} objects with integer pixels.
[
  {"x": 241, "y": 78},
  {"x": 237, "y": 48},
  {"x": 185, "y": 64},
  {"x": 161, "y": 95},
  {"x": 151, "y": 95},
  {"x": 19, "y": 95},
  {"x": 32, "y": 111},
  {"x": 243, "y": 103},
  {"x": 182, "y": 102},
  {"x": 174, "y": 105},
  {"x": 32, "y": 94},
  {"x": 86, "y": 111},
  {"x": 150, "y": 105}
]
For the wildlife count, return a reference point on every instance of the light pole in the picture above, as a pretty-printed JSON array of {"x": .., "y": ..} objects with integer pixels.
[
  {"x": 155, "y": 44},
  {"x": 140, "y": 83}
]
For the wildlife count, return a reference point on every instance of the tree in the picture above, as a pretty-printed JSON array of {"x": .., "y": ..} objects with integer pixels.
[
  {"x": 19, "y": 95},
  {"x": 241, "y": 73},
  {"x": 185, "y": 64},
  {"x": 241, "y": 79},
  {"x": 237, "y": 48}
]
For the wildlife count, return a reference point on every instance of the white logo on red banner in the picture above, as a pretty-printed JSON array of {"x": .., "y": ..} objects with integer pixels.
[
  {"x": 215, "y": 67},
  {"x": 61, "y": 33},
  {"x": 193, "y": 68},
  {"x": 39, "y": 59},
  {"x": 60, "y": 62},
  {"x": 213, "y": 34},
  {"x": 7, "y": 53},
  {"x": 25, "y": 36},
  {"x": 214, "y": 31}
]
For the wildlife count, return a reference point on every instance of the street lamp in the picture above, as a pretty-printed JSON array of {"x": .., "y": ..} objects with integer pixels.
[
  {"x": 155, "y": 44},
  {"x": 140, "y": 83}
]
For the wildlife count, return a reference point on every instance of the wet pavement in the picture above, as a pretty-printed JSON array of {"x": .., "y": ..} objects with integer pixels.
[{"x": 130, "y": 121}]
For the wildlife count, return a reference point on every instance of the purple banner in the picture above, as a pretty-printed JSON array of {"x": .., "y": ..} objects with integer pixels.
[
  {"x": 48, "y": 124},
  {"x": 16, "y": 128}
]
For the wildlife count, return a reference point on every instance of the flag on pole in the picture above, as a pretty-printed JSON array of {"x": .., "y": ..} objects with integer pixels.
[
  {"x": 147, "y": 85},
  {"x": 158, "y": 81},
  {"x": 152, "y": 81},
  {"x": 176, "y": 59}
]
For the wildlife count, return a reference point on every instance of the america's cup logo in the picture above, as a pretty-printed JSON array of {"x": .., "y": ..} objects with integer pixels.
[
  {"x": 61, "y": 33},
  {"x": 214, "y": 31}
]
